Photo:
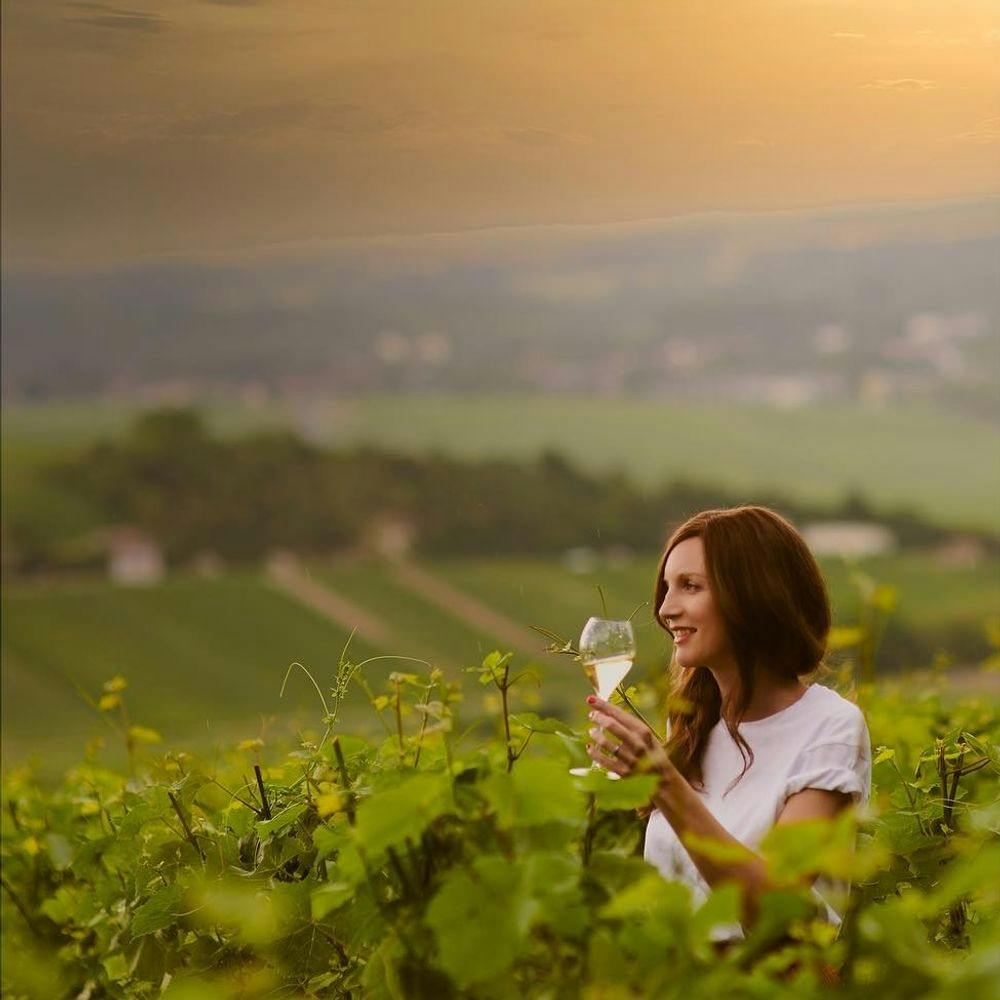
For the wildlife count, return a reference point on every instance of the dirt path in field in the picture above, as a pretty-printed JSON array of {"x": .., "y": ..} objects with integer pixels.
[
  {"x": 468, "y": 609},
  {"x": 288, "y": 576}
]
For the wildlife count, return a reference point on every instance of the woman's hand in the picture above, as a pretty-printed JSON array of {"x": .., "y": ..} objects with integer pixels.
[{"x": 627, "y": 745}]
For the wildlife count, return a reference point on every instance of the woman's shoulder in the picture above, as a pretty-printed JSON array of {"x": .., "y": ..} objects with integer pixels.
[{"x": 835, "y": 719}]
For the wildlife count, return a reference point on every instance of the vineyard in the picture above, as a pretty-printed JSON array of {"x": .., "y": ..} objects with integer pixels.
[
  {"x": 442, "y": 858},
  {"x": 229, "y": 638}
]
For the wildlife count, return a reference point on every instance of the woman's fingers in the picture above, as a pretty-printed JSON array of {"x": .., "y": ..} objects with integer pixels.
[
  {"x": 627, "y": 719},
  {"x": 609, "y": 709},
  {"x": 636, "y": 726},
  {"x": 644, "y": 752},
  {"x": 607, "y": 744},
  {"x": 626, "y": 734},
  {"x": 607, "y": 762}
]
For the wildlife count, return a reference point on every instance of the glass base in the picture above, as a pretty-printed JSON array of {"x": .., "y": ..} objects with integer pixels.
[{"x": 582, "y": 772}]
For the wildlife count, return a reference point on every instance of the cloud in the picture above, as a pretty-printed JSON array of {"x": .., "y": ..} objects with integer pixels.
[
  {"x": 905, "y": 84},
  {"x": 983, "y": 132},
  {"x": 101, "y": 15},
  {"x": 849, "y": 34}
]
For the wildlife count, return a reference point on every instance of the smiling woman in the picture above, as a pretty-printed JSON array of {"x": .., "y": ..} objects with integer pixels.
[
  {"x": 745, "y": 601},
  {"x": 750, "y": 746}
]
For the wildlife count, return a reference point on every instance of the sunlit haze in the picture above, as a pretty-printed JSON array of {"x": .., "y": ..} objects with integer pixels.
[{"x": 181, "y": 127}]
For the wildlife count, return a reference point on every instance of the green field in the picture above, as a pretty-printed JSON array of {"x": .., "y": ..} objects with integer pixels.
[
  {"x": 941, "y": 463},
  {"x": 205, "y": 657}
]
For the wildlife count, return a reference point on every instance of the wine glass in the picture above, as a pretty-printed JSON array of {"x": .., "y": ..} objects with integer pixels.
[{"x": 607, "y": 649}]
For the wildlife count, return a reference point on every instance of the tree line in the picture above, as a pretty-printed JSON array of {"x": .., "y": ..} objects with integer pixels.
[{"x": 242, "y": 498}]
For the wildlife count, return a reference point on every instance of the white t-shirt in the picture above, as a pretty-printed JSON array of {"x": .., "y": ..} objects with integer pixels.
[{"x": 819, "y": 741}]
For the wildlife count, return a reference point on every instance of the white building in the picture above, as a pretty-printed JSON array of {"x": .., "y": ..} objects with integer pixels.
[
  {"x": 134, "y": 558},
  {"x": 390, "y": 537},
  {"x": 848, "y": 538}
]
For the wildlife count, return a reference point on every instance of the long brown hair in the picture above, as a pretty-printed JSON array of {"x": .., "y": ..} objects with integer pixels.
[{"x": 774, "y": 606}]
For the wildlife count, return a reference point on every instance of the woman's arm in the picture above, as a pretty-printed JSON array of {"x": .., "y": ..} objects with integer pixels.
[{"x": 687, "y": 813}]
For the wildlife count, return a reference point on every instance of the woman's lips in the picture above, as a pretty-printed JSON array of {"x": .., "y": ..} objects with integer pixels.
[{"x": 681, "y": 637}]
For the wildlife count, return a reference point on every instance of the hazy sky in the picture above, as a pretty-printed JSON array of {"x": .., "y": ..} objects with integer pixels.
[{"x": 194, "y": 125}]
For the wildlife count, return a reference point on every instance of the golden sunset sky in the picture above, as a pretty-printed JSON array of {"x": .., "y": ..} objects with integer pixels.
[{"x": 151, "y": 128}]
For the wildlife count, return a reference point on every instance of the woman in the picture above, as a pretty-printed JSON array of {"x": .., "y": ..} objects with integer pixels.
[{"x": 746, "y": 606}]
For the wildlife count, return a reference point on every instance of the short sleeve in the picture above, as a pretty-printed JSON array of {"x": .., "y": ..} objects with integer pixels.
[{"x": 843, "y": 765}]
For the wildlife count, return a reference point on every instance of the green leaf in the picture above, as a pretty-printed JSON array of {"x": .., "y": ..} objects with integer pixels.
[
  {"x": 614, "y": 872},
  {"x": 381, "y": 978},
  {"x": 626, "y": 793},
  {"x": 185, "y": 789},
  {"x": 811, "y": 846},
  {"x": 59, "y": 850},
  {"x": 778, "y": 908},
  {"x": 282, "y": 821},
  {"x": 116, "y": 967},
  {"x": 59, "y": 907},
  {"x": 328, "y": 839},
  {"x": 496, "y": 661},
  {"x": 536, "y": 791},
  {"x": 724, "y": 851},
  {"x": 258, "y": 916},
  {"x": 720, "y": 909},
  {"x": 606, "y": 961},
  {"x": 554, "y": 879},
  {"x": 389, "y": 817},
  {"x": 651, "y": 894},
  {"x": 328, "y": 897},
  {"x": 160, "y": 910},
  {"x": 900, "y": 833},
  {"x": 976, "y": 874},
  {"x": 350, "y": 866},
  {"x": 481, "y": 920}
]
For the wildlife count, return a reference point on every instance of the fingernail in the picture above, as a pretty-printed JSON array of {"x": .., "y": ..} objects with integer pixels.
[
  {"x": 591, "y": 699},
  {"x": 592, "y": 715}
]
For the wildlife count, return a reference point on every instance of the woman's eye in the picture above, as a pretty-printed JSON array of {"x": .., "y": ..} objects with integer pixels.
[{"x": 690, "y": 586}]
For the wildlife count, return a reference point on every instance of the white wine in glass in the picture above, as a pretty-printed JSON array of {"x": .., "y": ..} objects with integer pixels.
[{"x": 607, "y": 649}]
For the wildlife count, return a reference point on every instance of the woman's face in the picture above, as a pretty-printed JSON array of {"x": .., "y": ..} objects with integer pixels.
[{"x": 689, "y": 609}]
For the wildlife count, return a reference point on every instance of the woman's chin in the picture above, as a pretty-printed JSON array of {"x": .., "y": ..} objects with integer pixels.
[{"x": 684, "y": 661}]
